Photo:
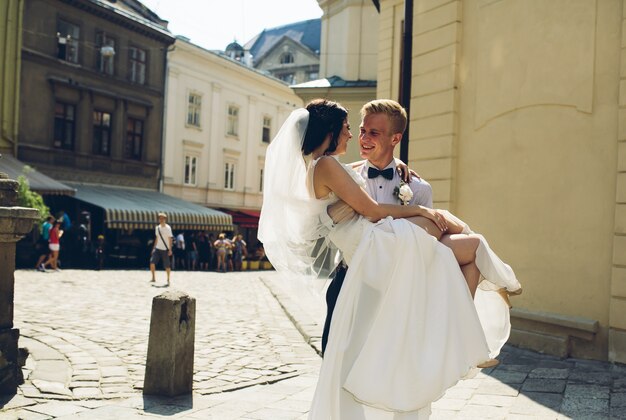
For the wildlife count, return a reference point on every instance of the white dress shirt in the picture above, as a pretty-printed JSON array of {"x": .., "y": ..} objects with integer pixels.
[{"x": 381, "y": 189}]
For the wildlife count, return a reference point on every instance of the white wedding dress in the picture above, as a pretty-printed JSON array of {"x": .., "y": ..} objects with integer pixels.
[{"x": 405, "y": 327}]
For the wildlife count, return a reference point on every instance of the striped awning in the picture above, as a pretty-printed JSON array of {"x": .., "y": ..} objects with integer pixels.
[
  {"x": 127, "y": 208},
  {"x": 37, "y": 181}
]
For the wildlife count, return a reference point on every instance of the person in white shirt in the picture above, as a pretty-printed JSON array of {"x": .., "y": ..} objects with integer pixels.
[{"x": 162, "y": 248}]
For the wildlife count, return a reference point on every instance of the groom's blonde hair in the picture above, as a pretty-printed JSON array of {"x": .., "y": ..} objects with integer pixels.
[{"x": 395, "y": 112}]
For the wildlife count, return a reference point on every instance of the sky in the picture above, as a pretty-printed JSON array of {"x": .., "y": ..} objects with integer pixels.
[{"x": 213, "y": 24}]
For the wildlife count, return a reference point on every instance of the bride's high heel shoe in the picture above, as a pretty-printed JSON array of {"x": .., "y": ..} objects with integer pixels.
[{"x": 506, "y": 294}]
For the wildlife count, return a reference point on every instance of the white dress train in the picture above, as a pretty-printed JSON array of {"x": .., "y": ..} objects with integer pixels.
[{"x": 405, "y": 327}]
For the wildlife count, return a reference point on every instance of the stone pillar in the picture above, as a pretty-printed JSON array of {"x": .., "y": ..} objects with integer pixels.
[
  {"x": 169, "y": 365},
  {"x": 15, "y": 222}
]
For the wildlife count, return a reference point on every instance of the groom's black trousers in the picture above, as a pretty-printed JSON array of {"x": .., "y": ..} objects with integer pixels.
[{"x": 332, "y": 293}]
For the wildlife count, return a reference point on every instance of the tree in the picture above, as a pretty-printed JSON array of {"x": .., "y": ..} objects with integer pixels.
[{"x": 29, "y": 198}]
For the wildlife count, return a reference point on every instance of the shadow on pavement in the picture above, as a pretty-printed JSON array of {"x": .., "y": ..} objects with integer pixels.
[{"x": 167, "y": 406}]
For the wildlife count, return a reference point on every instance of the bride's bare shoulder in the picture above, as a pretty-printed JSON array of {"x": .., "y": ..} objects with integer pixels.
[{"x": 328, "y": 163}]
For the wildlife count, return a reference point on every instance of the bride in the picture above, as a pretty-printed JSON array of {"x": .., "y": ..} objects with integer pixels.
[{"x": 405, "y": 327}]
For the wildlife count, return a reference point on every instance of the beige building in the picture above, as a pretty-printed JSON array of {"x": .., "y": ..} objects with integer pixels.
[
  {"x": 348, "y": 60},
  {"x": 220, "y": 117},
  {"x": 518, "y": 121}
]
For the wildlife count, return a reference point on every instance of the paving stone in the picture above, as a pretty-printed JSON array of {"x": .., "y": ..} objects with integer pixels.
[
  {"x": 23, "y": 414},
  {"x": 585, "y": 407},
  {"x": 497, "y": 388},
  {"x": 544, "y": 385},
  {"x": 549, "y": 373},
  {"x": 57, "y": 408},
  {"x": 448, "y": 404},
  {"x": 537, "y": 404},
  {"x": 274, "y": 414},
  {"x": 618, "y": 400},
  {"x": 48, "y": 387},
  {"x": 586, "y": 391},
  {"x": 591, "y": 377},
  {"x": 492, "y": 400},
  {"x": 9, "y": 402},
  {"x": 509, "y": 377}
]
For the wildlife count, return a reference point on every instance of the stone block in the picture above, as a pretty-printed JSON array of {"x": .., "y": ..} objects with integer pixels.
[
  {"x": 619, "y": 250},
  {"x": 442, "y": 189},
  {"x": 620, "y": 218},
  {"x": 621, "y": 156},
  {"x": 621, "y": 124},
  {"x": 433, "y": 147},
  {"x": 544, "y": 385},
  {"x": 438, "y": 80},
  {"x": 435, "y": 104},
  {"x": 434, "y": 168},
  {"x": 617, "y": 313},
  {"x": 618, "y": 282},
  {"x": 439, "y": 125},
  {"x": 8, "y": 191},
  {"x": 622, "y": 92},
  {"x": 433, "y": 60},
  {"x": 436, "y": 18},
  {"x": 617, "y": 346},
  {"x": 169, "y": 364},
  {"x": 620, "y": 195},
  {"x": 440, "y": 37},
  {"x": 550, "y": 344}
]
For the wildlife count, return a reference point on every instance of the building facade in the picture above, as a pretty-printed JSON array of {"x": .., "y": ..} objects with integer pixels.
[
  {"x": 517, "y": 120},
  {"x": 92, "y": 89},
  {"x": 10, "y": 45},
  {"x": 348, "y": 61},
  {"x": 221, "y": 115},
  {"x": 290, "y": 53}
]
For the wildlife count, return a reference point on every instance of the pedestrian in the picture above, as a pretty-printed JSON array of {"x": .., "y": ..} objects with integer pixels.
[
  {"x": 162, "y": 247},
  {"x": 192, "y": 252},
  {"x": 179, "y": 251},
  {"x": 221, "y": 246},
  {"x": 55, "y": 246},
  {"x": 212, "y": 260},
  {"x": 43, "y": 243},
  {"x": 100, "y": 255},
  {"x": 239, "y": 251},
  {"x": 203, "y": 251}
]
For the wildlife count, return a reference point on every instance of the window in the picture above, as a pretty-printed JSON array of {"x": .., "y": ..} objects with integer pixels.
[
  {"x": 288, "y": 78},
  {"x": 194, "y": 104},
  {"x": 101, "y": 133},
  {"x": 64, "y": 125},
  {"x": 267, "y": 129},
  {"x": 229, "y": 176},
  {"x": 190, "y": 170},
  {"x": 105, "y": 53},
  {"x": 233, "y": 120},
  {"x": 286, "y": 58},
  {"x": 261, "y": 181},
  {"x": 67, "y": 41},
  {"x": 137, "y": 65},
  {"x": 313, "y": 75},
  {"x": 134, "y": 139}
]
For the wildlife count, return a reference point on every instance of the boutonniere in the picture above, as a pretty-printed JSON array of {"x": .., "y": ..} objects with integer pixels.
[{"x": 403, "y": 192}]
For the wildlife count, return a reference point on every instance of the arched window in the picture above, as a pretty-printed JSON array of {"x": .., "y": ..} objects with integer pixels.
[{"x": 286, "y": 58}]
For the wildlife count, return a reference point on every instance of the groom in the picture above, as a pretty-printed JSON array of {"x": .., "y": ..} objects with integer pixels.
[{"x": 383, "y": 122}]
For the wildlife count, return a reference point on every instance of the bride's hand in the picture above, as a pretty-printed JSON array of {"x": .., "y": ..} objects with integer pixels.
[
  {"x": 438, "y": 217},
  {"x": 405, "y": 172}
]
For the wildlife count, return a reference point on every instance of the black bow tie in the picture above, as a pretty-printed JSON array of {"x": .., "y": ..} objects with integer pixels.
[{"x": 386, "y": 173}]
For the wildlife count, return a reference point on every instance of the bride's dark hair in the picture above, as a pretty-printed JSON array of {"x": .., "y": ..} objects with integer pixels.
[{"x": 324, "y": 117}]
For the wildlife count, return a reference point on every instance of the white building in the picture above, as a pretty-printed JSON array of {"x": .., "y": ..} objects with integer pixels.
[{"x": 220, "y": 116}]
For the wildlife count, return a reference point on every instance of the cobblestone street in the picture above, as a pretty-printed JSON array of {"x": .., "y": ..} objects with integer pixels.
[{"x": 256, "y": 355}]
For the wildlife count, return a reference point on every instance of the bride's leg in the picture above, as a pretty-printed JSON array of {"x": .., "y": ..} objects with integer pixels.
[
  {"x": 464, "y": 248},
  {"x": 472, "y": 276},
  {"x": 428, "y": 225}
]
